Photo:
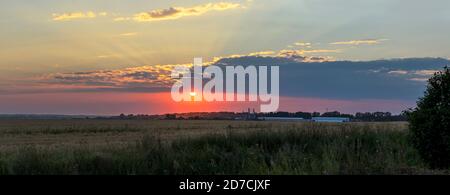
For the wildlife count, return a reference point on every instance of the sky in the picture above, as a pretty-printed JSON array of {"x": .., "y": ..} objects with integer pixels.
[{"x": 114, "y": 56}]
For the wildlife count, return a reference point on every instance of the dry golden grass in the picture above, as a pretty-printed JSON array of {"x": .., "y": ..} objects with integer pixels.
[
  {"x": 117, "y": 133},
  {"x": 205, "y": 147},
  {"x": 56, "y": 133}
]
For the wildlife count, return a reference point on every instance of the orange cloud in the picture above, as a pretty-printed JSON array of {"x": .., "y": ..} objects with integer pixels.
[
  {"x": 156, "y": 76},
  {"x": 76, "y": 15},
  {"x": 173, "y": 13}
]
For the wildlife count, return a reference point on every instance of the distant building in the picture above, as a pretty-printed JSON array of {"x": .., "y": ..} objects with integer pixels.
[
  {"x": 281, "y": 119},
  {"x": 330, "y": 119},
  {"x": 251, "y": 116}
]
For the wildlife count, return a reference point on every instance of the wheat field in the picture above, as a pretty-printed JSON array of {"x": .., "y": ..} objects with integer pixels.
[{"x": 158, "y": 147}]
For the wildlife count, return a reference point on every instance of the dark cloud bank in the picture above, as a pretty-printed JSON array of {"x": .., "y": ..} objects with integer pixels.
[
  {"x": 394, "y": 79},
  {"x": 402, "y": 79}
]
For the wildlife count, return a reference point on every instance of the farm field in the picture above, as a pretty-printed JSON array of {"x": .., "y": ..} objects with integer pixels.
[{"x": 152, "y": 147}]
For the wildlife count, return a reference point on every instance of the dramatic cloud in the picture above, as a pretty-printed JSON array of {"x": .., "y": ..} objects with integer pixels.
[
  {"x": 302, "y": 76},
  {"x": 300, "y": 55},
  {"x": 157, "y": 76},
  {"x": 173, "y": 13},
  {"x": 76, "y": 15},
  {"x": 360, "y": 42},
  {"x": 348, "y": 79},
  {"x": 287, "y": 55},
  {"x": 170, "y": 13}
]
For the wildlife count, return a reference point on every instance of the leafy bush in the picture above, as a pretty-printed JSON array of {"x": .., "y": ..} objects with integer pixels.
[{"x": 430, "y": 122}]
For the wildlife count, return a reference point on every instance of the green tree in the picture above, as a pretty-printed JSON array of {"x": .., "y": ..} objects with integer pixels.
[{"x": 430, "y": 122}]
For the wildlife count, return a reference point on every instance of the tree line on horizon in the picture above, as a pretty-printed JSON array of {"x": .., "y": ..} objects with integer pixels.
[
  {"x": 363, "y": 117},
  {"x": 366, "y": 116}
]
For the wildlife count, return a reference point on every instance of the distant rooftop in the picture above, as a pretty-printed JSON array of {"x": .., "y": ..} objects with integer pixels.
[
  {"x": 282, "y": 118},
  {"x": 331, "y": 119}
]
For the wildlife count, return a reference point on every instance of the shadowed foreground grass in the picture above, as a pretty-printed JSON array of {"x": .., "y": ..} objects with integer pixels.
[{"x": 292, "y": 152}]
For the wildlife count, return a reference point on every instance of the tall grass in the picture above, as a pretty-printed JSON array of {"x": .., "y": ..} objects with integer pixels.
[{"x": 287, "y": 152}]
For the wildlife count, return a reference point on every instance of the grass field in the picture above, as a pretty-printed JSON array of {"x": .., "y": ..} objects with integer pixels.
[{"x": 130, "y": 147}]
